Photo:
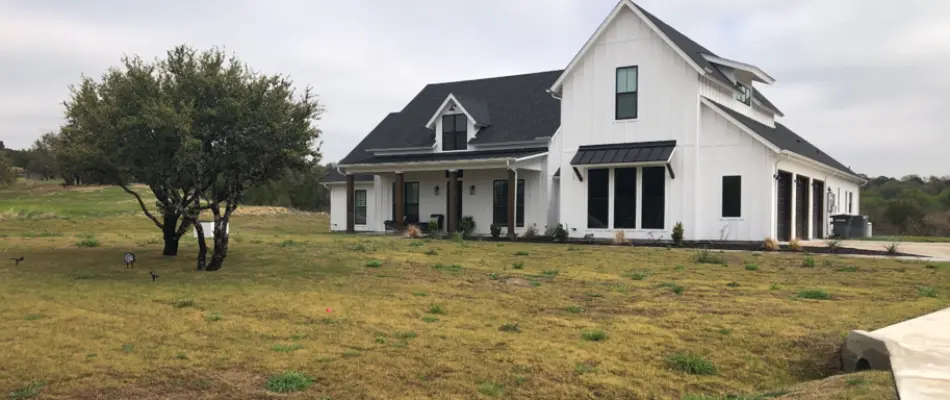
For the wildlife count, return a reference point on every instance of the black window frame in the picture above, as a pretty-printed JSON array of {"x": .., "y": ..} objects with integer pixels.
[
  {"x": 459, "y": 138},
  {"x": 745, "y": 94},
  {"x": 631, "y": 94},
  {"x": 359, "y": 217},
  {"x": 500, "y": 203},
  {"x": 406, "y": 205},
  {"x": 850, "y": 201},
  {"x": 653, "y": 197},
  {"x": 731, "y": 196},
  {"x": 626, "y": 195},
  {"x": 598, "y": 204}
]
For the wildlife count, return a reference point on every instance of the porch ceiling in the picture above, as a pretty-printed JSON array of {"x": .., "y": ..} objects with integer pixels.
[{"x": 443, "y": 161}]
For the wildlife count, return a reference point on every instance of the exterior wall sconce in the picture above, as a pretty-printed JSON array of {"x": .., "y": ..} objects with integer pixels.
[
  {"x": 471, "y": 190},
  {"x": 436, "y": 190}
]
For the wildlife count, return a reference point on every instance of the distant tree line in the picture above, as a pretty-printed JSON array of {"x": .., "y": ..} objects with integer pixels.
[
  {"x": 908, "y": 206},
  {"x": 51, "y": 157}
]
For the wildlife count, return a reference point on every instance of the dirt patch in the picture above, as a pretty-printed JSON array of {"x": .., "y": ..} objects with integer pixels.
[
  {"x": 180, "y": 386},
  {"x": 518, "y": 282}
]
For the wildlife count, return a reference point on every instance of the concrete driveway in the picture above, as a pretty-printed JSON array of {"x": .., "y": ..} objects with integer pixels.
[{"x": 935, "y": 251}]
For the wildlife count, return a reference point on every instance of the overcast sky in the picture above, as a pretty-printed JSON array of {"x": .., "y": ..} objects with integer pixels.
[{"x": 868, "y": 81}]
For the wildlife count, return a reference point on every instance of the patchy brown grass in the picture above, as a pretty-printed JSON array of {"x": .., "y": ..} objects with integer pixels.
[{"x": 77, "y": 320}]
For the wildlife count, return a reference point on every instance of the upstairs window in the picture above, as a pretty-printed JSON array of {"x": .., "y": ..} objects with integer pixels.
[
  {"x": 454, "y": 132},
  {"x": 626, "y": 96},
  {"x": 744, "y": 95}
]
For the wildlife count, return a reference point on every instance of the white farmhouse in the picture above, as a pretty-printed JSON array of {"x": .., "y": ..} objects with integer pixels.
[{"x": 643, "y": 129}]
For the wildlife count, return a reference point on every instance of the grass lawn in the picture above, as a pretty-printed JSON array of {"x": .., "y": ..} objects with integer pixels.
[{"x": 347, "y": 317}]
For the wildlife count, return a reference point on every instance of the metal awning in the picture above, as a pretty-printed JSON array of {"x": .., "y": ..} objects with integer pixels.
[
  {"x": 638, "y": 153},
  {"x": 625, "y": 153}
]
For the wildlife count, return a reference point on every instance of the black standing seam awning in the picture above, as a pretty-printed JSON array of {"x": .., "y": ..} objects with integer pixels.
[{"x": 625, "y": 153}]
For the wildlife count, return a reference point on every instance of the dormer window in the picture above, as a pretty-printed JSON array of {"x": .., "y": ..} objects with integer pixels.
[
  {"x": 745, "y": 94},
  {"x": 454, "y": 132}
]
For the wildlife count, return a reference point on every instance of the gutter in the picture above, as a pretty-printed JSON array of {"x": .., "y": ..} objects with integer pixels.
[{"x": 553, "y": 94}]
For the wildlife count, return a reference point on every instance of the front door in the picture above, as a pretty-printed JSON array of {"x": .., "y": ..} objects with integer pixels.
[{"x": 458, "y": 201}]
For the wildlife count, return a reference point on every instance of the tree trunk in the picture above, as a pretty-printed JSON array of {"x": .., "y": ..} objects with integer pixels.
[
  {"x": 170, "y": 234},
  {"x": 202, "y": 245},
  {"x": 220, "y": 243}
]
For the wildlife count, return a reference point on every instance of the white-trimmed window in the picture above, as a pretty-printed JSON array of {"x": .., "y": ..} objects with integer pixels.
[
  {"x": 454, "y": 132},
  {"x": 745, "y": 94},
  {"x": 359, "y": 197},
  {"x": 626, "y": 98}
]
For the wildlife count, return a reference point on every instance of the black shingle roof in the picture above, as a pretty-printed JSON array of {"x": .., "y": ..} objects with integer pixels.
[
  {"x": 785, "y": 139},
  {"x": 518, "y": 107},
  {"x": 476, "y": 108},
  {"x": 695, "y": 52},
  {"x": 334, "y": 176}
]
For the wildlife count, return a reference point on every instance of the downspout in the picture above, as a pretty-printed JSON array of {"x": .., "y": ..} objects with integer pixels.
[{"x": 553, "y": 94}]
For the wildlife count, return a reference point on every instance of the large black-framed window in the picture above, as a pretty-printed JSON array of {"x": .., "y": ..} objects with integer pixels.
[
  {"x": 626, "y": 93},
  {"x": 411, "y": 203},
  {"x": 359, "y": 197},
  {"x": 454, "y": 132},
  {"x": 653, "y": 207},
  {"x": 598, "y": 198},
  {"x": 625, "y": 198},
  {"x": 732, "y": 196},
  {"x": 500, "y": 203}
]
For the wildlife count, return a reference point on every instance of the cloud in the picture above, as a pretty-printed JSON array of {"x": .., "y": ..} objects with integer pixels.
[{"x": 862, "y": 79}]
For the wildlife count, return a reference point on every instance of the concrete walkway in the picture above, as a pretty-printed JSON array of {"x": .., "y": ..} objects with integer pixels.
[
  {"x": 916, "y": 351},
  {"x": 933, "y": 251}
]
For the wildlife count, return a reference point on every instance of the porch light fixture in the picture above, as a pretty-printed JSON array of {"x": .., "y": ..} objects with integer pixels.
[
  {"x": 471, "y": 190},
  {"x": 436, "y": 190}
]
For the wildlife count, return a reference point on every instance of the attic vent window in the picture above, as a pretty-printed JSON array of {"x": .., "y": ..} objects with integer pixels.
[
  {"x": 454, "y": 132},
  {"x": 744, "y": 95}
]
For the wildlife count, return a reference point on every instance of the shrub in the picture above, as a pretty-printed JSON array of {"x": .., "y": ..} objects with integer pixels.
[
  {"x": 214, "y": 317},
  {"x": 808, "y": 262},
  {"x": 510, "y": 327},
  {"x": 88, "y": 243},
  {"x": 518, "y": 265},
  {"x": 691, "y": 364},
  {"x": 926, "y": 291},
  {"x": 31, "y": 390},
  {"x": 495, "y": 230},
  {"x": 676, "y": 289},
  {"x": 531, "y": 232},
  {"x": 833, "y": 245},
  {"x": 574, "y": 309},
  {"x": 429, "y": 319},
  {"x": 467, "y": 225},
  {"x": 677, "y": 234},
  {"x": 752, "y": 267},
  {"x": 290, "y": 381},
  {"x": 433, "y": 224},
  {"x": 374, "y": 264},
  {"x": 286, "y": 348},
  {"x": 436, "y": 309},
  {"x": 620, "y": 237},
  {"x": 288, "y": 243},
  {"x": 413, "y": 231},
  {"x": 560, "y": 234},
  {"x": 795, "y": 245},
  {"x": 771, "y": 244},
  {"x": 595, "y": 335},
  {"x": 705, "y": 256},
  {"x": 893, "y": 248},
  {"x": 733, "y": 284},
  {"x": 814, "y": 294}
]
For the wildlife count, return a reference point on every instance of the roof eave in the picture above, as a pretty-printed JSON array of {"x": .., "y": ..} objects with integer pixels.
[
  {"x": 835, "y": 171},
  {"x": 556, "y": 87},
  {"x": 752, "y": 69}
]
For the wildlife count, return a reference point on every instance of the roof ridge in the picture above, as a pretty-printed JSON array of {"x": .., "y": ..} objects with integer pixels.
[{"x": 497, "y": 77}]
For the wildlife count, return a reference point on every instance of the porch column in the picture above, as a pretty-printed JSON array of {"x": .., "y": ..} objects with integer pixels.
[
  {"x": 512, "y": 195},
  {"x": 794, "y": 213},
  {"x": 810, "y": 207},
  {"x": 452, "y": 222},
  {"x": 350, "y": 204},
  {"x": 400, "y": 201}
]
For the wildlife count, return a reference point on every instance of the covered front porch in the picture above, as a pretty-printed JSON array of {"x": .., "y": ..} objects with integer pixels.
[{"x": 505, "y": 191}]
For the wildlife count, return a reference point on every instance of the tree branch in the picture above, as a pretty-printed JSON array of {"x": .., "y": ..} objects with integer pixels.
[{"x": 142, "y": 204}]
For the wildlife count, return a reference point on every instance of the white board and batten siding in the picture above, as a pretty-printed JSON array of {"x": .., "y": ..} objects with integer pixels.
[
  {"x": 667, "y": 110},
  {"x": 718, "y": 94},
  {"x": 338, "y": 207}
]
